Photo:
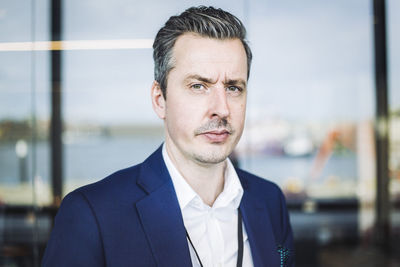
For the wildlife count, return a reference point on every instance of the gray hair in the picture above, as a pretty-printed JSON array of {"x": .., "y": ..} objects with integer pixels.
[{"x": 205, "y": 21}]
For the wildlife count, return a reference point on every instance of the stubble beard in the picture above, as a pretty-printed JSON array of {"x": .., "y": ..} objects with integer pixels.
[
  {"x": 215, "y": 154},
  {"x": 212, "y": 158}
]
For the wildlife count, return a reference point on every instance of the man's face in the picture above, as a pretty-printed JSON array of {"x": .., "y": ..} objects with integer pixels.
[{"x": 204, "y": 110}]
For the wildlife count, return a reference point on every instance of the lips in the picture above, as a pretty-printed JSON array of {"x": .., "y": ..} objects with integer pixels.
[{"x": 217, "y": 136}]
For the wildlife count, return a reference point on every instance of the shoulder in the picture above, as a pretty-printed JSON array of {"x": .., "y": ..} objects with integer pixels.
[
  {"x": 115, "y": 191},
  {"x": 259, "y": 186},
  {"x": 106, "y": 191},
  {"x": 122, "y": 176},
  {"x": 115, "y": 181},
  {"x": 128, "y": 181},
  {"x": 75, "y": 239}
]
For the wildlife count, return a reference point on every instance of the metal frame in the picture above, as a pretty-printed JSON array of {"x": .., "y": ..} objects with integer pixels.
[
  {"x": 382, "y": 207},
  {"x": 56, "y": 107}
]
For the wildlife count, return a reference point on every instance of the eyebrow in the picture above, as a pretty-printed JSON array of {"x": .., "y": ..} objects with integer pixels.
[
  {"x": 197, "y": 77},
  {"x": 238, "y": 82}
]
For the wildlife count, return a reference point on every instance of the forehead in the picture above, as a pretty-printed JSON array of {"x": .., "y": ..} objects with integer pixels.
[{"x": 210, "y": 57}]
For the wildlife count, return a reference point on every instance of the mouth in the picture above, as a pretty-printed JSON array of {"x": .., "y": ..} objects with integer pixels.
[{"x": 216, "y": 136}]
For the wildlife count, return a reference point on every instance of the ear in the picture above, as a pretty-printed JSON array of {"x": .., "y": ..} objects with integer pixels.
[{"x": 157, "y": 100}]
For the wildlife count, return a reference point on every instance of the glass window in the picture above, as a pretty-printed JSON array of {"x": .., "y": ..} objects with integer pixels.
[
  {"x": 24, "y": 102},
  {"x": 310, "y": 124},
  {"x": 24, "y": 120},
  {"x": 310, "y": 114}
]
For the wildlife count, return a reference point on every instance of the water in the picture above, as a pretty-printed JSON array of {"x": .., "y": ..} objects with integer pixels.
[
  {"x": 91, "y": 159},
  {"x": 280, "y": 168}
]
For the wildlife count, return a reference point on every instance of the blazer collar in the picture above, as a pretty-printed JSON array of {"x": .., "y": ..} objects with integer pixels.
[
  {"x": 160, "y": 214},
  {"x": 257, "y": 221},
  {"x": 153, "y": 172},
  {"x": 162, "y": 221}
]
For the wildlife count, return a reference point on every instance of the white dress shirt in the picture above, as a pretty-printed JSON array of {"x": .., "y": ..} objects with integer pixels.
[{"x": 213, "y": 230}]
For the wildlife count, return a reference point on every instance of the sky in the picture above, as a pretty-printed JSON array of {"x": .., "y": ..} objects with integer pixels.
[{"x": 313, "y": 60}]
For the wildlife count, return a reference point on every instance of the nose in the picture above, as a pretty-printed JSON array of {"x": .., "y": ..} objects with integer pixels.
[{"x": 218, "y": 101}]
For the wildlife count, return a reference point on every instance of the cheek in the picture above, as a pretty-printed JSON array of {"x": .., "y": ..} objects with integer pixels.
[
  {"x": 238, "y": 113},
  {"x": 181, "y": 118}
]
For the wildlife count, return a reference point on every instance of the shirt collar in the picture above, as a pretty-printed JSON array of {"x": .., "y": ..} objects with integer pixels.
[{"x": 229, "y": 197}]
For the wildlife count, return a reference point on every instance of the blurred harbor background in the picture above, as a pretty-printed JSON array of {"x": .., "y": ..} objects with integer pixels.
[{"x": 323, "y": 117}]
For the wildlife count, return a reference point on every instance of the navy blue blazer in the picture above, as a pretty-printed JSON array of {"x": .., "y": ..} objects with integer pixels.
[{"x": 133, "y": 218}]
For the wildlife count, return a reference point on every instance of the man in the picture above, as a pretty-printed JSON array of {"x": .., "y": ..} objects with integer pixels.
[{"x": 185, "y": 205}]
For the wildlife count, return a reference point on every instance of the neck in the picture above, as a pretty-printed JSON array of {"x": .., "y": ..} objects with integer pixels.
[{"x": 207, "y": 180}]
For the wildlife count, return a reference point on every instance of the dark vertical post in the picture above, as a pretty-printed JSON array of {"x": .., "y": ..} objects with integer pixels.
[
  {"x": 56, "y": 116},
  {"x": 382, "y": 210}
]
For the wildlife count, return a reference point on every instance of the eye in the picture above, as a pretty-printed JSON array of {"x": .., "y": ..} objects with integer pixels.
[
  {"x": 234, "y": 89},
  {"x": 197, "y": 86}
]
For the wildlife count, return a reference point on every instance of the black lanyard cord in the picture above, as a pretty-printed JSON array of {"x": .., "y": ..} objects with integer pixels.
[
  {"x": 240, "y": 242},
  {"x": 195, "y": 251}
]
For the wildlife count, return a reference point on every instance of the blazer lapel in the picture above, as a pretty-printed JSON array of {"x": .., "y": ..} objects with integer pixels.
[
  {"x": 160, "y": 214},
  {"x": 259, "y": 231}
]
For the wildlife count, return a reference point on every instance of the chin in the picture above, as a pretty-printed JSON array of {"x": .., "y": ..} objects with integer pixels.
[
  {"x": 209, "y": 160},
  {"x": 211, "y": 157}
]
